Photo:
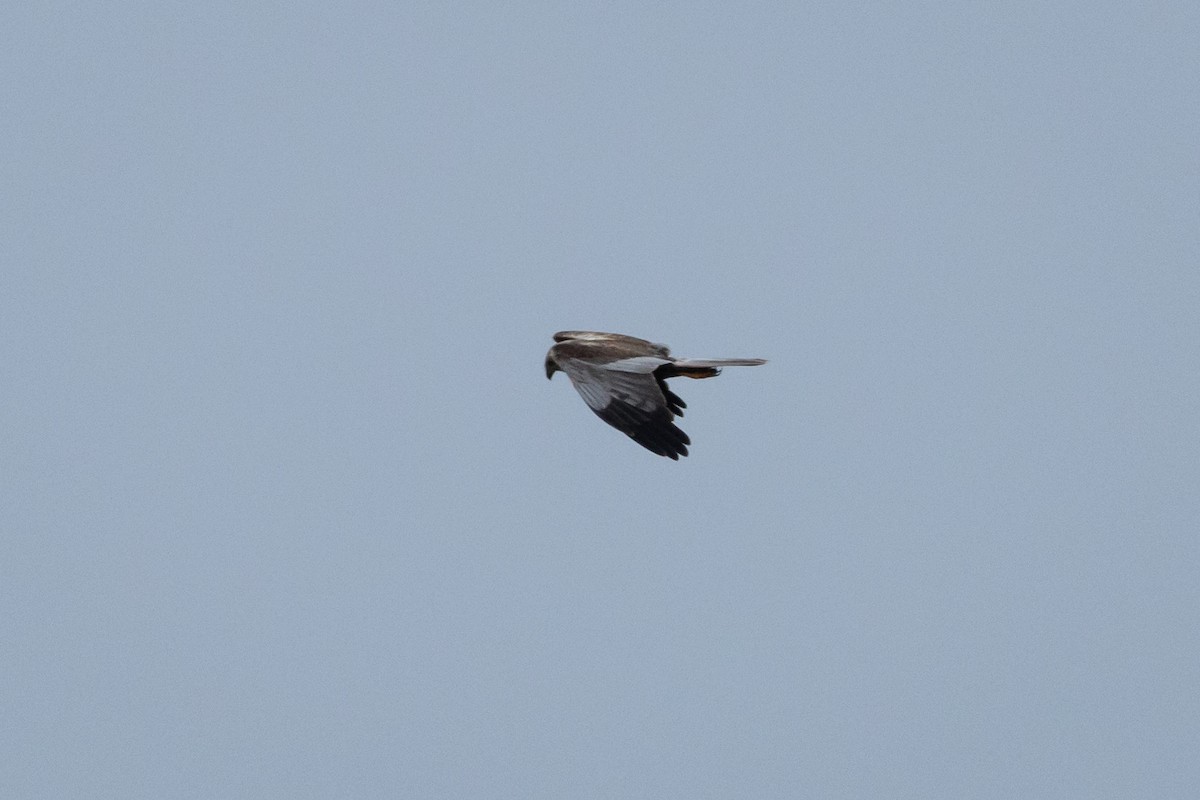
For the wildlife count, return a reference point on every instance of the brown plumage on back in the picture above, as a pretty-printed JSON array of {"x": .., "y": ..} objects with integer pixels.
[{"x": 623, "y": 380}]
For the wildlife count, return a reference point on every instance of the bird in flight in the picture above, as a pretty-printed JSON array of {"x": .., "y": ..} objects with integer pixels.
[{"x": 624, "y": 380}]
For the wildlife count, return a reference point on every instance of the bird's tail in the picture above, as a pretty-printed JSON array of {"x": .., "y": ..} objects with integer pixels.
[{"x": 711, "y": 367}]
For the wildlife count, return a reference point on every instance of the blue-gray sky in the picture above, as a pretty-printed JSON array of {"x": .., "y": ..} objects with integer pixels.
[{"x": 290, "y": 510}]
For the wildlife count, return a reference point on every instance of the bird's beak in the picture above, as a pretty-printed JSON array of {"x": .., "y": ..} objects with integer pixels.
[{"x": 551, "y": 368}]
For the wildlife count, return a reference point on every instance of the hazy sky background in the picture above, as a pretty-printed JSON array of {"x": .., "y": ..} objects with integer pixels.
[{"x": 290, "y": 510}]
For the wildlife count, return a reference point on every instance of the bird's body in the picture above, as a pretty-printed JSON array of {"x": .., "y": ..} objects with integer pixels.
[{"x": 623, "y": 380}]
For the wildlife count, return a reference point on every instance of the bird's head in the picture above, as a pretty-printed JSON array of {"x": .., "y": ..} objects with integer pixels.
[{"x": 551, "y": 367}]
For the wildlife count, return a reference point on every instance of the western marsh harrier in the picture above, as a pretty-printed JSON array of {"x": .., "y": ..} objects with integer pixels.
[{"x": 624, "y": 380}]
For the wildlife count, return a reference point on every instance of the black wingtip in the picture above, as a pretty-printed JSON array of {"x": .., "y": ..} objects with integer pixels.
[{"x": 654, "y": 431}]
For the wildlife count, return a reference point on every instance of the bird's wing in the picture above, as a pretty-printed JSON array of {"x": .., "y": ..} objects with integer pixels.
[
  {"x": 618, "y": 339},
  {"x": 626, "y": 394}
]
